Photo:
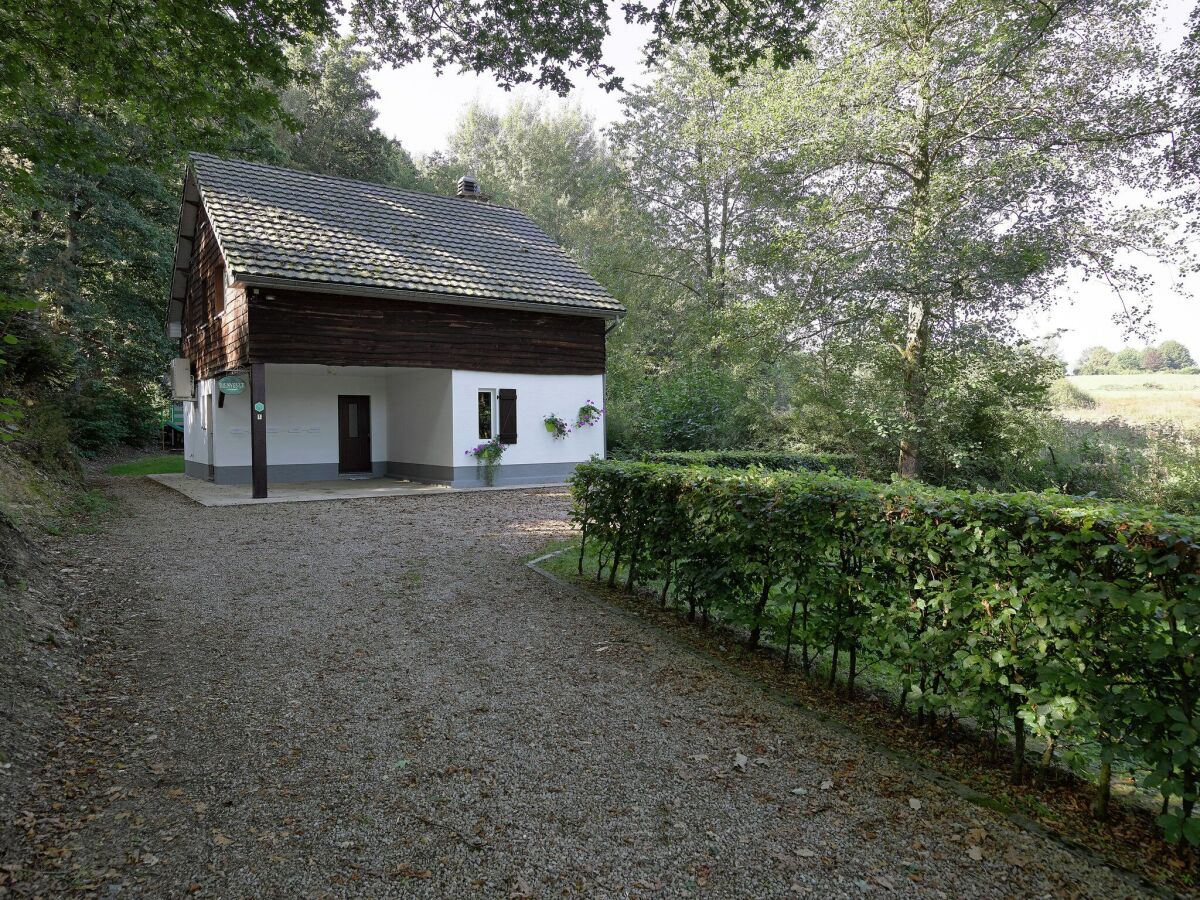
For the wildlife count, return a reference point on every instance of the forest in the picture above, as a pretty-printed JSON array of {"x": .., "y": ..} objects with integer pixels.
[{"x": 825, "y": 234}]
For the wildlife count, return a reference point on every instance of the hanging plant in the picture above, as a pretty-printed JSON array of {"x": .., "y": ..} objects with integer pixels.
[
  {"x": 589, "y": 414},
  {"x": 557, "y": 427},
  {"x": 487, "y": 459}
]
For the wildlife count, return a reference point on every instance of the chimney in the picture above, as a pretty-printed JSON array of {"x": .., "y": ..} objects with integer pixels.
[{"x": 468, "y": 188}]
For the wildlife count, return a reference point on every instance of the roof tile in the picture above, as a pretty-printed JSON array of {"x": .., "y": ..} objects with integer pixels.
[{"x": 281, "y": 223}]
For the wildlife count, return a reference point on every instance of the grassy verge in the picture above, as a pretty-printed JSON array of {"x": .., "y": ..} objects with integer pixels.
[
  {"x": 1141, "y": 398},
  {"x": 958, "y": 748},
  {"x": 151, "y": 465}
]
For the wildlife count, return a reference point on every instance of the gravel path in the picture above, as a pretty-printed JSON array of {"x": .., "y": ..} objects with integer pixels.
[{"x": 376, "y": 697}]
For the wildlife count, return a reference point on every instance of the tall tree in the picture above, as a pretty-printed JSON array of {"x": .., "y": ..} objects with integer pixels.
[
  {"x": 329, "y": 125},
  {"x": 522, "y": 41},
  {"x": 1175, "y": 355},
  {"x": 960, "y": 157}
]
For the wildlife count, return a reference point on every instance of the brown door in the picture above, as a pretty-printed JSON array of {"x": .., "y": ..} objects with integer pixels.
[{"x": 354, "y": 434}]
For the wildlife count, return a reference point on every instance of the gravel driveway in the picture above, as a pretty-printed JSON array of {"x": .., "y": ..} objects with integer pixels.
[{"x": 377, "y": 697}]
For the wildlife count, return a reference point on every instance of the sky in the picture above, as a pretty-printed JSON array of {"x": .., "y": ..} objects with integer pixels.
[{"x": 420, "y": 109}]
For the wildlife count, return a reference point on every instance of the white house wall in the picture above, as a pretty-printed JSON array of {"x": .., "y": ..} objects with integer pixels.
[
  {"x": 423, "y": 422},
  {"x": 302, "y": 424},
  {"x": 197, "y": 432},
  {"x": 537, "y": 456},
  {"x": 419, "y": 429}
]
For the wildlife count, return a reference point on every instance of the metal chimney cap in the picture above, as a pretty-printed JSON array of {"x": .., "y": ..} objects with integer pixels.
[{"x": 468, "y": 187}]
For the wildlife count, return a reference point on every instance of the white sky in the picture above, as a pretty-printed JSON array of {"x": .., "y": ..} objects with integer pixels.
[{"x": 421, "y": 108}]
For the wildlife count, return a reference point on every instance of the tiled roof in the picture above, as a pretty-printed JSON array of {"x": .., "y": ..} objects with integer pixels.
[{"x": 283, "y": 224}]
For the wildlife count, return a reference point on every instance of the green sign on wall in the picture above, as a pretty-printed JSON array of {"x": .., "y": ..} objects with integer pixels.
[{"x": 231, "y": 384}]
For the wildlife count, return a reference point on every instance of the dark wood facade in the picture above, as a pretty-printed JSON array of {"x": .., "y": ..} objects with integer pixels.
[
  {"x": 336, "y": 330},
  {"x": 214, "y": 327}
]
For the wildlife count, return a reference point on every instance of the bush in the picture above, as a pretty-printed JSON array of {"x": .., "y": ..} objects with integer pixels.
[
  {"x": 783, "y": 460},
  {"x": 1065, "y": 395},
  {"x": 692, "y": 409},
  {"x": 1156, "y": 464},
  {"x": 1069, "y": 617}
]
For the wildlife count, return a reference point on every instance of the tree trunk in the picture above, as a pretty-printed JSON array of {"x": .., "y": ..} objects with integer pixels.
[
  {"x": 913, "y": 388},
  {"x": 1018, "y": 759},
  {"x": 1103, "y": 791},
  {"x": 759, "y": 610},
  {"x": 787, "y": 650}
]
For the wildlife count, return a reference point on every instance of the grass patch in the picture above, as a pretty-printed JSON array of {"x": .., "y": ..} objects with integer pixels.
[
  {"x": 151, "y": 465},
  {"x": 1141, "y": 398}
]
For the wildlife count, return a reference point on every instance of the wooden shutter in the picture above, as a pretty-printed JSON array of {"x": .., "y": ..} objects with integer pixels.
[{"x": 508, "y": 416}]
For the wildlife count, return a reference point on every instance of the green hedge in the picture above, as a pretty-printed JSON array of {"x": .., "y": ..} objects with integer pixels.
[
  {"x": 795, "y": 461},
  {"x": 1074, "y": 619}
]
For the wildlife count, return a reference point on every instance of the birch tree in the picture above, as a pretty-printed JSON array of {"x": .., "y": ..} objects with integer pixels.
[{"x": 958, "y": 158}]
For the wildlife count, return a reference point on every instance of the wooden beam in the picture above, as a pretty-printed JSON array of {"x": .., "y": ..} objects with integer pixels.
[{"x": 258, "y": 429}]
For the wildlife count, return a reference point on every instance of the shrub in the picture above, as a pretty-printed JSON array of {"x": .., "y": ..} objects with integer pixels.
[
  {"x": 1065, "y": 395},
  {"x": 1061, "y": 615},
  {"x": 784, "y": 460}
]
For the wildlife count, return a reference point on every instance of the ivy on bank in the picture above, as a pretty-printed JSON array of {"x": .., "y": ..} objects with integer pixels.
[{"x": 1063, "y": 616}]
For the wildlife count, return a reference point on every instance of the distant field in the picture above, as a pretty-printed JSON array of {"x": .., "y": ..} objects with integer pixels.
[{"x": 1140, "y": 398}]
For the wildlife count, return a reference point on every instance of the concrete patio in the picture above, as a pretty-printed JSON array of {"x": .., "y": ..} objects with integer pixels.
[{"x": 206, "y": 493}]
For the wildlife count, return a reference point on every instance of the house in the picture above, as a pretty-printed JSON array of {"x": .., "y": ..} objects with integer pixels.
[{"x": 334, "y": 328}]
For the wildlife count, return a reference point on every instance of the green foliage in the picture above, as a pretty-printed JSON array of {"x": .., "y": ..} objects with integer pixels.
[
  {"x": 1156, "y": 464},
  {"x": 1175, "y": 355},
  {"x": 1096, "y": 361},
  {"x": 793, "y": 461},
  {"x": 1128, "y": 360},
  {"x": 183, "y": 72},
  {"x": 1169, "y": 356},
  {"x": 691, "y": 409},
  {"x": 1073, "y": 619},
  {"x": 521, "y": 41},
  {"x": 330, "y": 125},
  {"x": 1065, "y": 395}
]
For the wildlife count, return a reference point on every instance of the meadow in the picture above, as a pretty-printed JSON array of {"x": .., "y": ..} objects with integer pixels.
[{"x": 1139, "y": 398}]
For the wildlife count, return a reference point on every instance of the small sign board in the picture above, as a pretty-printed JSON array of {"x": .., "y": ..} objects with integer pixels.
[
  {"x": 231, "y": 384},
  {"x": 259, "y": 407}
]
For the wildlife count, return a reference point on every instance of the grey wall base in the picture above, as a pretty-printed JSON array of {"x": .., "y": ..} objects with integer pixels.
[
  {"x": 469, "y": 476},
  {"x": 456, "y": 476},
  {"x": 200, "y": 470},
  {"x": 278, "y": 474}
]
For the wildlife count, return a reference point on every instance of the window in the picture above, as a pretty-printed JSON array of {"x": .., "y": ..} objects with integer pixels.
[{"x": 485, "y": 415}]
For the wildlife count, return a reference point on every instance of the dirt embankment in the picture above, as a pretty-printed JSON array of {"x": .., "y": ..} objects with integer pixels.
[{"x": 40, "y": 640}]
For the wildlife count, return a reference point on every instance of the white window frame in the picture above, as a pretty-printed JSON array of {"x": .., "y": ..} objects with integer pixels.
[{"x": 494, "y": 393}]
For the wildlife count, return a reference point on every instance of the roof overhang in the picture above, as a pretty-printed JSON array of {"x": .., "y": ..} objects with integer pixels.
[
  {"x": 322, "y": 287},
  {"x": 185, "y": 238}
]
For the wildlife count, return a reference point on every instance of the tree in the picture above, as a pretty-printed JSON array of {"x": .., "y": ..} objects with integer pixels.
[
  {"x": 185, "y": 72},
  {"x": 690, "y": 188},
  {"x": 552, "y": 165},
  {"x": 330, "y": 121},
  {"x": 1128, "y": 360},
  {"x": 956, "y": 156},
  {"x": 98, "y": 104},
  {"x": 1183, "y": 150},
  {"x": 523, "y": 41},
  {"x": 1095, "y": 361},
  {"x": 1151, "y": 359},
  {"x": 1175, "y": 355}
]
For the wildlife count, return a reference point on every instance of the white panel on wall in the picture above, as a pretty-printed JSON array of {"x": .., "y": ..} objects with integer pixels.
[
  {"x": 302, "y": 414},
  {"x": 537, "y": 397}
]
